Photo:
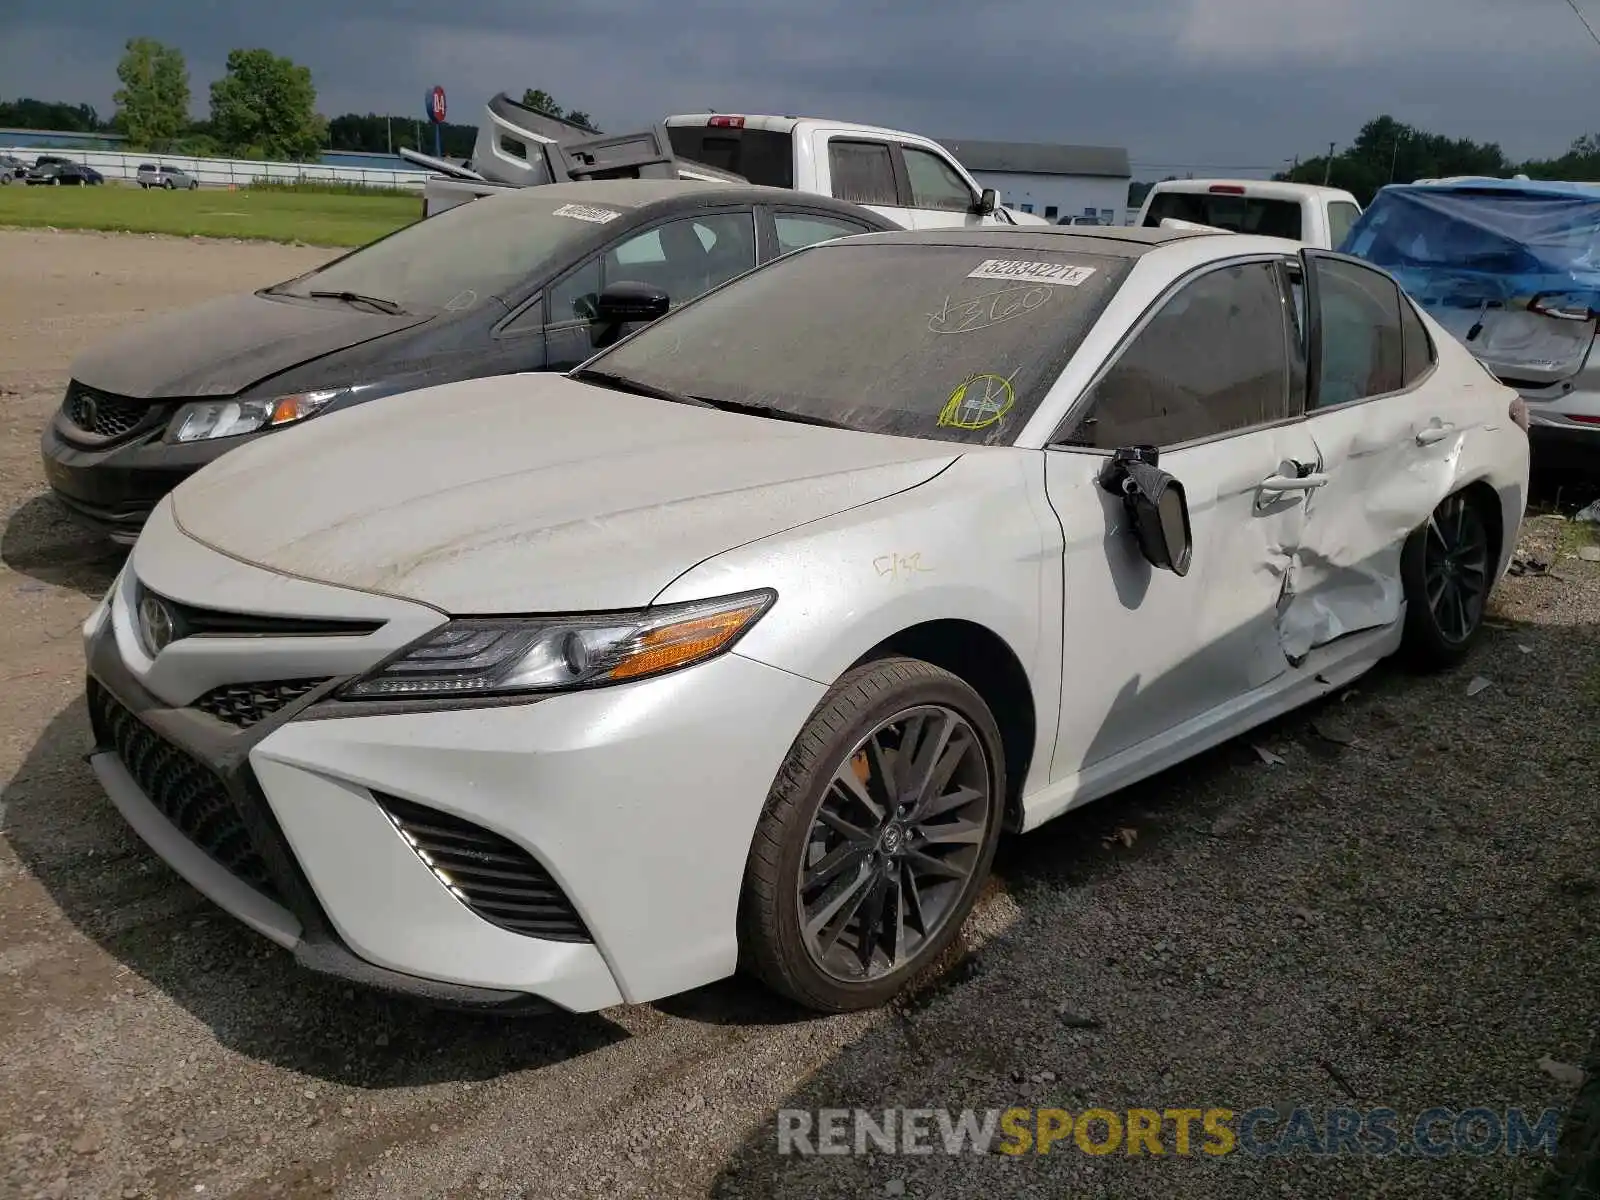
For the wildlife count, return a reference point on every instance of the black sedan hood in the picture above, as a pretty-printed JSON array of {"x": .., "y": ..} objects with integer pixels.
[{"x": 222, "y": 347}]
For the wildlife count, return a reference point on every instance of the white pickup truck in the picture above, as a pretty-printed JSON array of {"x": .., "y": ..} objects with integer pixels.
[
  {"x": 910, "y": 180},
  {"x": 1317, "y": 216}
]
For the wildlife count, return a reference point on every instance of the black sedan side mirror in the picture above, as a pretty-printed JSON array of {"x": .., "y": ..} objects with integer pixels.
[
  {"x": 987, "y": 203},
  {"x": 1156, "y": 506},
  {"x": 624, "y": 302}
]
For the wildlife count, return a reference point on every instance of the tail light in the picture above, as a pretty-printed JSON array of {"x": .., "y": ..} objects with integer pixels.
[
  {"x": 1519, "y": 413},
  {"x": 723, "y": 122},
  {"x": 1226, "y": 189}
]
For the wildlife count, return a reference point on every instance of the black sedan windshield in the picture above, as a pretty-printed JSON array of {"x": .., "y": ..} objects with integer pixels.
[
  {"x": 937, "y": 341},
  {"x": 462, "y": 256}
]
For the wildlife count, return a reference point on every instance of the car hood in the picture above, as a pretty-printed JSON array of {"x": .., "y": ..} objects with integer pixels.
[
  {"x": 225, "y": 345},
  {"x": 531, "y": 493}
]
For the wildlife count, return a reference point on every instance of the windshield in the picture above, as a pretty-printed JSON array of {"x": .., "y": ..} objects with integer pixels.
[
  {"x": 958, "y": 343},
  {"x": 461, "y": 257},
  {"x": 1238, "y": 214}
]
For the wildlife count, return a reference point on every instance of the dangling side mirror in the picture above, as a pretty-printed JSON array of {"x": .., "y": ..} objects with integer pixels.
[
  {"x": 625, "y": 303},
  {"x": 1155, "y": 504}
]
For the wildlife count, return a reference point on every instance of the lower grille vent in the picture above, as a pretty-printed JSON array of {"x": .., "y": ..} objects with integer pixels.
[
  {"x": 492, "y": 876},
  {"x": 244, "y": 704}
]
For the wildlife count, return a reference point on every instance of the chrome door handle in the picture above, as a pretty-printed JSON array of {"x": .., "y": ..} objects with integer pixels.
[
  {"x": 1434, "y": 433},
  {"x": 1292, "y": 483}
]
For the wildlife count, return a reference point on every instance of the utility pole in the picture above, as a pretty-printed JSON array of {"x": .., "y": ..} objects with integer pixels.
[
  {"x": 1327, "y": 174},
  {"x": 1394, "y": 158},
  {"x": 388, "y": 132}
]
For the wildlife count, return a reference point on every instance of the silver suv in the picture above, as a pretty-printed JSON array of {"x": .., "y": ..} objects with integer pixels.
[{"x": 150, "y": 175}]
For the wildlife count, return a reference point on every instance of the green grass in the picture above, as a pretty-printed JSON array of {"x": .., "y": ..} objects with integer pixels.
[
  {"x": 329, "y": 187},
  {"x": 317, "y": 218}
]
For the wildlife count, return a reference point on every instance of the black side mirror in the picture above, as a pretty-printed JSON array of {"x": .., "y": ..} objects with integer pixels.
[
  {"x": 987, "y": 202},
  {"x": 1156, "y": 506},
  {"x": 625, "y": 302}
]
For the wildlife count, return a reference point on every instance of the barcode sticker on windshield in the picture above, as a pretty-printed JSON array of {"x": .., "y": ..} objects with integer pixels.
[
  {"x": 586, "y": 212},
  {"x": 1031, "y": 272}
]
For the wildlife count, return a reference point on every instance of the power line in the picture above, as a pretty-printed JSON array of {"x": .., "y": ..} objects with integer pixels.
[{"x": 1578, "y": 12}]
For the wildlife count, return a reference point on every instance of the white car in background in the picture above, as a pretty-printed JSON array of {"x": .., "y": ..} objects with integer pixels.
[
  {"x": 743, "y": 642},
  {"x": 1301, "y": 212}
]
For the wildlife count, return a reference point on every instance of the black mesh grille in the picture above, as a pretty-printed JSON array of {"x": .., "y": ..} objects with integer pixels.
[
  {"x": 187, "y": 793},
  {"x": 101, "y": 414},
  {"x": 494, "y": 877},
  {"x": 243, "y": 704}
]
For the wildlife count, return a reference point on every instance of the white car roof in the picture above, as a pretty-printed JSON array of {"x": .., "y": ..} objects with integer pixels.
[{"x": 1270, "y": 189}]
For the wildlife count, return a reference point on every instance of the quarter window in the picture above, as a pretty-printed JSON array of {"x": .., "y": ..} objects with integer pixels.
[
  {"x": 796, "y": 231},
  {"x": 934, "y": 182},
  {"x": 1359, "y": 309},
  {"x": 863, "y": 172},
  {"x": 1213, "y": 360},
  {"x": 1341, "y": 216},
  {"x": 573, "y": 298},
  {"x": 1416, "y": 347}
]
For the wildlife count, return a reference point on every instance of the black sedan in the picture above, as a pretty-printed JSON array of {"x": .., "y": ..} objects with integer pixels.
[
  {"x": 532, "y": 280},
  {"x": 63, "y": 173}
]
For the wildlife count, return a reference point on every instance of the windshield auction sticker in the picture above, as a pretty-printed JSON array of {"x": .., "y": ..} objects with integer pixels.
[
  {"x": 1031, "y": 272},
  {"x": 585, "y": 212}
]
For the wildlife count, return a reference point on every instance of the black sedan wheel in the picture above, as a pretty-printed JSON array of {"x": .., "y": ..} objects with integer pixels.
[
  {"x": 1447, "y": 568},
  {"x": 876, "y": 837}
]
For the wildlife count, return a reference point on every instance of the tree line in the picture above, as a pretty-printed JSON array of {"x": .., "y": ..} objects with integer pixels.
[
  {"x": 1387, "y": 151},
  {"x": 263, "y": 107}
]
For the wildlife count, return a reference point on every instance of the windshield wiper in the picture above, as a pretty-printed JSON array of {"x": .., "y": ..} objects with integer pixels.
[
  {"x": 622, "y": 383},
  {"x": 378, "y": 302},
  {"x": 768, "y": 410}
]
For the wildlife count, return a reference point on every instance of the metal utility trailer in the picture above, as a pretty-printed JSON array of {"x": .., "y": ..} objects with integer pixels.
[{"x": 520, "y": 147}]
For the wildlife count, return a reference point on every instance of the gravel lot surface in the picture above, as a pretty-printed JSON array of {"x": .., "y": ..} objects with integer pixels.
[{"x": 1403, "y": 912}]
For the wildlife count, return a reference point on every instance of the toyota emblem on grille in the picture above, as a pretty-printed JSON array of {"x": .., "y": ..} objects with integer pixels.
[{"x": 155, "y": 622}]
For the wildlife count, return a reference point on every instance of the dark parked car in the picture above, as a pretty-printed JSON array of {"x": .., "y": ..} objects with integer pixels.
[
  {"x": 531, "y": 280},
  {"x": 58, "y": 173}
]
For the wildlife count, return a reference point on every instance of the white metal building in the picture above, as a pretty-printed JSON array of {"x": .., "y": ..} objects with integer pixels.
[{"x": 1056, "y": 182}]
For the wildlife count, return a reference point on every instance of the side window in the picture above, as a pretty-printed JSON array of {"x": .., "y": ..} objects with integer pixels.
[
  {"x": 1359, "y": 310},
  {"x": 796, "y": 230},
  {"x": 686, "y": 258},
  {"x": 934, "y": 183},
  {"x": 1341, "y": 216},
  {"x": 573, "y": 298},
  {"x": 1416, "y": 347},
  {"x": 863, "y": 172},
  {"x": 1213, "y": 359}
]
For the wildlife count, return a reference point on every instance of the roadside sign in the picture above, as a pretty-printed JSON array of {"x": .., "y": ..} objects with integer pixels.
[{"x": 436, "y": 106}]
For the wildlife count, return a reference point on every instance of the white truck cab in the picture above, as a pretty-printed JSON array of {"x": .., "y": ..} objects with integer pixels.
[
  {"x": 1317, "y": 216},
  {"x": 910, "y": 180}
]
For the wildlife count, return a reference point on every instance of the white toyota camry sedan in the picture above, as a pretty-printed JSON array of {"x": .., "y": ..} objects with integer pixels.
[{"x": 743, "y": 643}]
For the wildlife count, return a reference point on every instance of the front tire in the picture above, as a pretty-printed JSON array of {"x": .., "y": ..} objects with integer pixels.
[
  {"x": 876, "y": 837},
  {"x": 1447, "y": 570}
]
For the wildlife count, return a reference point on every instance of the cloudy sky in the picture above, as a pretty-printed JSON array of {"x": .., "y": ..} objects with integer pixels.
[{"x": 1203, "y": 85}]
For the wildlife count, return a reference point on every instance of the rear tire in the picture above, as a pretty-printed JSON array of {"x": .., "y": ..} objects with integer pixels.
[
  {"x": 1447, "y": 570},
  {"x": 170, "y": 186},
  {"x": 876, "y": 837}
]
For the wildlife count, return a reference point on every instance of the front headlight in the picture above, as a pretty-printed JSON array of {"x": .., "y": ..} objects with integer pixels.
[
  {"x": 510, "y": 656},
  {"x": 207, "y": 419}
]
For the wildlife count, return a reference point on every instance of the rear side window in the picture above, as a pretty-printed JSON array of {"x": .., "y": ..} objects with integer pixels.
[
  {"x": 1416, "y": 347},
  {"x": 1213, "y": 360},
  {"x": 1238, "y": 214},
  {"x": 797, "y": 230},
  {"x": 1341, "y": 216},
  {"x": 762, "y": 156},
  {"x": 1361, "y": 333},
  {"x": 863, "y": 172}
]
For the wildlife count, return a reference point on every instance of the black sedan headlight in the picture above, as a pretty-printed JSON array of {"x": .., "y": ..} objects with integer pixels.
[{"x": 207, "y": 420}]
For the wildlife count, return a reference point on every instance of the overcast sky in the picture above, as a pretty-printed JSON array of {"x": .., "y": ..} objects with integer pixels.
[{"x": 1204, "y": 85}]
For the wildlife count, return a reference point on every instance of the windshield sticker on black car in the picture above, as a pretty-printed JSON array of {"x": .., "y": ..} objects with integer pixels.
[
  {"x": 978, "y": 402},
  {"x": 586, "y": 212},
  {"x": 1031, "y": 272},
  {"x": 987, "y": 308}
]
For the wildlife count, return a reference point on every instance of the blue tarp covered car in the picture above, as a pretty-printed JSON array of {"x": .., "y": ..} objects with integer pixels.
[{"x": 1511, "y": 267}]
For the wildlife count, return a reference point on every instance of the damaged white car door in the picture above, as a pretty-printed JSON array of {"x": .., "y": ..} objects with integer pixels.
[
  {"x": 1213, "y": 377},
  {"x": 1387, "y": 446}
]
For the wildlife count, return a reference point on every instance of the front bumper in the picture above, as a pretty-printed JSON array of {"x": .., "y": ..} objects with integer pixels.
[
  {"x": 637, "y": 803},
  {"x": 113, "y": 488}
]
